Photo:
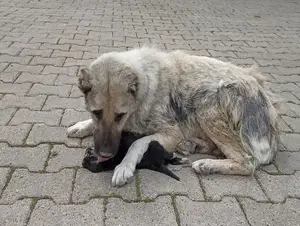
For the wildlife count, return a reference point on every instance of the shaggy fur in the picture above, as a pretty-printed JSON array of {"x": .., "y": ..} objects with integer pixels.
[{"x": 175, "y": 96}]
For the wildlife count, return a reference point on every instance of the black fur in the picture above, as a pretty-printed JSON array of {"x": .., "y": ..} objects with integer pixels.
[{"x": 156, "y": 157}]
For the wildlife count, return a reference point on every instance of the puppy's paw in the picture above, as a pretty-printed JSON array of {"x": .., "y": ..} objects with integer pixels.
[
  {"x": 122, "y": 175},
  {"x": 204, "y": 166},
  {"x": 80, "y": 129}
]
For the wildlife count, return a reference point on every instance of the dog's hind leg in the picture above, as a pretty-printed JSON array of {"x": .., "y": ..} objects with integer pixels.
[
  {"x": 81, "y": 129},
  {"x": 238, "y": 161},
  {"x": 243, "y": 125},
  {"x": 222, "y": 166}
]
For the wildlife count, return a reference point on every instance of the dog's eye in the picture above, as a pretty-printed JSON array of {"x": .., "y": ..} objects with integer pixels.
[
  {"x": 119, "y": 116},
  {"x": 98, "y": 114}
]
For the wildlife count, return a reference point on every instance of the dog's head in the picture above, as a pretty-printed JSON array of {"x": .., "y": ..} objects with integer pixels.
[{"x": 111, "y": 86}]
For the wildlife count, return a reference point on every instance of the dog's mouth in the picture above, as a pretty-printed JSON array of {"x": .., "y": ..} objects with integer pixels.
[{"x": 103, "y": 159}]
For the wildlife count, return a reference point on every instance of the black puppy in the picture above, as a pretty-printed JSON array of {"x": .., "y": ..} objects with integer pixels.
[{"x": 155, "y": 158}]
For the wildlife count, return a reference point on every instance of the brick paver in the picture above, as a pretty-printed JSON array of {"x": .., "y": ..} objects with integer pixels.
[{"x": 42, "y": 46}]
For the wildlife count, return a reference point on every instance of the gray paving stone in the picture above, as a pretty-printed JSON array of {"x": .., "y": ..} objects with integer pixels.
[
  {"x": 15, "y": 214},
  {"x": 62, "y": 91},
  {"x": 294, "y": 123},
  {"x": 268, "y": 214},
  {"x": 279, "y": 187},
  {"x": 75, "y": 92},
  {"x": 6, "y": 115},
  {"x": 62, "y": 156},
  {"x": 24, "y": 68},
  {"x": 218, "y": 186},
  {"x": 23, "y": 183},
  {"x": 63, "y": 103},
  {"x": 44, "y": 79},
  {"x": 41, "y": 133},
  {"x": 14, "y": 59},
  {"x": 34, "y": 103},
  {"x": 87, "y": 141},
  {"x": 34, "y": 158},
  {"x": 15, "y": 88},
  {"x": 14, "y": 135},
  {"x": 89, "y": 185},
  {"x": 271, "y": 168},
  {"x": 36, "y": 52},
  {"x": 75, "y": 54},
  {"x": 50, "y": 118},
  {"x": 3, "y": 66},
  {"x": 72, "y": 71},
  {"x": 226, "y": 212},
  {"x": 283, "y": 126},
  {"x": 288, "y": 162},
  {"x": 286, "y": 110},
  {"x": 8, "y": 76},
  {"x": 57, "y": 61},
  {"x": 47, "y": 213},
  {"x": 72, "y": 116},
  {"x": 295, "y": 108},
  {"x": 66, "y": 79},
  {"x": 159, "y": 212},
  {"x": 3, "y": 177},
  {"x": 285, "y": 79},
  {"x": 162, "y": 184},
  {"x": 291, "y": 141}
]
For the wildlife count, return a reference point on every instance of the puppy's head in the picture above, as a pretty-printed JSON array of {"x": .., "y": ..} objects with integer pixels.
[{"x": 111, "y": 89}]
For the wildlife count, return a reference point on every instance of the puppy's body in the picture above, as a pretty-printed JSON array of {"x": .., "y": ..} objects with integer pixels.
[
  {"x": 155, "y": 158},
  {"x": 176, "y": 96}
]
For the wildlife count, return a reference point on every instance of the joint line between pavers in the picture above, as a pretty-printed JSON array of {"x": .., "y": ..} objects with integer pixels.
[
  {"x": 242, "y": 209},
  {"x": 176, "y": 213},
  {"x": 73, "y": 186},
  {"x": 32, "y": 207},
  {"x": 262, "y": 188},
  {"x": 8, "y": 178}
]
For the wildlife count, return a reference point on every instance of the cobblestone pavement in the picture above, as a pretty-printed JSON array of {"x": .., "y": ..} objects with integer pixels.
[{"x": 43, "y": 44}]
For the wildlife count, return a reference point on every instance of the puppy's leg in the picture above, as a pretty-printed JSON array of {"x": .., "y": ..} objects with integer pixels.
[
  {"x": 123, "y": 173},
  {"x": 81, "y": 129}
]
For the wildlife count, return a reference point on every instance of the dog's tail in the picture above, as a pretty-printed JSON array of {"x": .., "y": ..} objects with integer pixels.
[{"x": 254, "y": 117}]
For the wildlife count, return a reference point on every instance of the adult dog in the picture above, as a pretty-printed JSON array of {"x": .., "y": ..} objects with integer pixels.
[{"x": 174, "y": 96}]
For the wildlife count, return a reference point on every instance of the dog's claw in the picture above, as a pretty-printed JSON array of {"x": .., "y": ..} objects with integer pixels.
[{"x": 122, "y": 175}]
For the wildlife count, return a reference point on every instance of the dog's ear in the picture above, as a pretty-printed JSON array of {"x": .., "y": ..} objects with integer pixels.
[
  {"x": 133, "y": 85},
  {"x": 84, "y": 83}
]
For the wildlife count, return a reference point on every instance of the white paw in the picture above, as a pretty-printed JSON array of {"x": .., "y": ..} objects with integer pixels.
[
  {"x": 204, "y": 166},
  {"x": 122, "y": 175},
  {"x": 80, "y": 129}
]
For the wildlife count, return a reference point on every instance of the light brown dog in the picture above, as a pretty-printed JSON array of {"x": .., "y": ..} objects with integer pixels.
[{"x": 175, "y": 96}]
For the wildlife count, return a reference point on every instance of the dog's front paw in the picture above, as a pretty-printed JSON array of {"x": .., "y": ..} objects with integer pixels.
[
  {"x": 80, "y": 129},
  {"x": 204, "y": 166},
  {"x": 122, "y": 175}
]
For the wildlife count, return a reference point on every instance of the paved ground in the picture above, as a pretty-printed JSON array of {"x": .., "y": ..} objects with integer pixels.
[{"x": 42, "y": 45}]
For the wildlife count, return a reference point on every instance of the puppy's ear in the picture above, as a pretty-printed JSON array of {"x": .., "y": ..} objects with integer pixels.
[
  {"x": 84, "y": 83},
  {"x": 133, "y": 85}
]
